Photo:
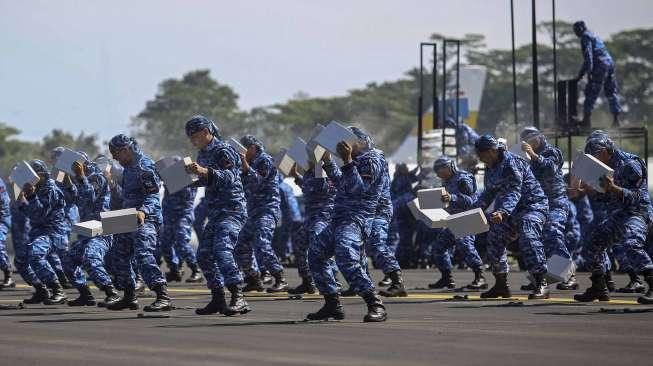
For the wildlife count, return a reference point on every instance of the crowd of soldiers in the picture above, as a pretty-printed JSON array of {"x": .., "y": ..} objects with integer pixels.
[{"x": 356, "y": 210}]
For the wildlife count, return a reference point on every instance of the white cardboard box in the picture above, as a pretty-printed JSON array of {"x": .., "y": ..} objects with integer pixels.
[
  {"x": 66, "y": 160},
  {"x": 435, "y": 218},
  {"x": 516, "y": 149},
  {"x": 590, "y": 170},
  {"x": 283, "y": 162},
  {"x": 16, "y": 190},
  {"x": 467, "y": 223},
  {"x": 431, "y": 198},
  {"x": 237, "y": 145},
  {"x": 332, "y": 135},
  {"x": 103, "y": 163},
  {"x": 297, "y": 152},
  {"x": 119, "y": 221},
  {"x": 559, "y": 269},
  {"x": 58, "y": 175},
  {"x": 23, "y": 173},
  {"x": 413, "y": 206},
  {"x": 88, "y": 228},
  {"x": 176, "y": 177}
]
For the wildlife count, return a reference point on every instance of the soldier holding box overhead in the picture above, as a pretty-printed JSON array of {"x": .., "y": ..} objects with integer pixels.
[
  {"x": 359, "y": 187},
  {"x": 259, "y": 176},
  {"x": 140, "y": 188},
  {"x": 546, "y": 163},
  {"x": 520, "y": 208},
  {"x": 218, "y": 168},
  {"x": 94, "y": 195},
  {"x": 461, "y": 194},
  {"x": 628, "y": 203}
]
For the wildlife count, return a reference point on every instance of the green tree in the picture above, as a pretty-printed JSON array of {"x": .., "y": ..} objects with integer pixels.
[
  {"x": 160, "y": 126},
  {"x": 13, "y": 150}
]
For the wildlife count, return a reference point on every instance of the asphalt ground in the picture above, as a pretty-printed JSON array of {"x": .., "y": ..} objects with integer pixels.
[{"x": 428, "y": 327}]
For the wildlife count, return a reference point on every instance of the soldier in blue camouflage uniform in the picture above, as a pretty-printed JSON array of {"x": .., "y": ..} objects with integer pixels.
[
  {"x": 48, "y": 232},
  {"x": 599, "y": 67},
  {"x": 546, "y": 163},
  {"x": 520, "y": 209},
  {"x": 140, "y": 190},
  {"x": 377, "y": 242},
  {"x": 259, "y": 176},
  {"x": 466, "y": 137},
  {"x": 359, "y": 185},
  {"x": 72, "y": 216},
  {"x": 218, "y": 168},
  {"x": 461, "y": 195},
  {"x": 178, "y": 218},
  {"x": 94, "y": 196},
  {"x": 319, "y": 194},
  {"x": 200, "y": 212},
  {"x": 628, "y": 204},
  {"x": 403, "y": 226},
  {"x": 5, "y": 224}
]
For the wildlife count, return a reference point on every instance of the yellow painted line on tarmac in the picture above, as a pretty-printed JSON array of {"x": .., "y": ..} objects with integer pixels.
[{"x": 411, "y": 296}]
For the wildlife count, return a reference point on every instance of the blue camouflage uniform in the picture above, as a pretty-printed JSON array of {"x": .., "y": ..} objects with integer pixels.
[
  {"x": 515, "y": 192},
  {"x": 462, "y": 190},
  {"x": 94, "y": 195},
  {"x": 599, "y": 67},
  {"x": 376, "y": 243},
  {"x": 178, "y": 218},
  {"x": 572, "y": 229},
  {"x": 140, "y": 190},
  {"x": 319, "y": 195},
  {"x": 49, "y": 228},
  {"x": 628, "y": 219},
  {"x": 403, "y": 226},
  {"x": 225, "y": 205},
  {"x": 20, "y": 238},
  {"x": 263, "y": 210},
  {"x": 5, "y": 224},
  {"x": 547, "y": 169},
  {"x": 359, "y": 187},
  {"x": 200, "y": 212}
]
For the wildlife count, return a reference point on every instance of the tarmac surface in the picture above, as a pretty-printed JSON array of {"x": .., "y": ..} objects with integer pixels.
[{"x": 428, "y": 327}]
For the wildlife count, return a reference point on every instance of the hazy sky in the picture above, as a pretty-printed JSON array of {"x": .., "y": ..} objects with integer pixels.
[{"x": 90, "y": 65}]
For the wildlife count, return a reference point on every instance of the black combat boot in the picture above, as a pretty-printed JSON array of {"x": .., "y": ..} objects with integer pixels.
[
  {"x": 445, "y": 282},
  {"x": 218, "y": 304},
  {"x": 8, "y": 281},
  {"x": 85, "y": 298},
  {"x": 266, "y": 278},
  {"x": 541, "y": 290},
  {"x": 195, "y": 275},
  {"x": 479, "y": 282},
  {"x": 647, "y": 298},
  {"x": 598, "y": 290},
  {"x": 375, "y": 309},
  {"x": 163, "y": 302},
  {"x": 280, "y": 283},
  {"x": 609, "y": 282},
  {"x": 332, "y": 309},
  {"x": 634, "y": 286},
  {"x": 351, "y": 291},
  {"x": 127, "y": 301},
  {"x": 396, "y": 289},
  {"x": 174, "y": 275},
  {"x": 40, "y": 294},
  {"x": 253, "y": 283},
  {"x": 306, "y": 287},
  {"x": 58, "y": 296},
  {"x": 111, "y": 296},
  {"x": 237, "y": 305},
  {"x": 570, "y": 284},
  {"x": 386, "y": 281},
  {"x": 501, "y": 288}
]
